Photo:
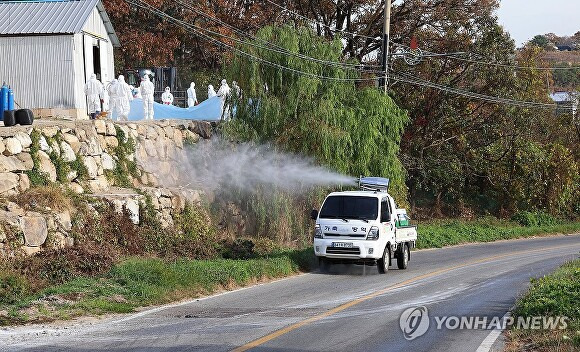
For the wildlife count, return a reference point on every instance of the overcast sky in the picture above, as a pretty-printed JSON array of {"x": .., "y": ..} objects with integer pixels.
[{"x": 523, "y": 19}]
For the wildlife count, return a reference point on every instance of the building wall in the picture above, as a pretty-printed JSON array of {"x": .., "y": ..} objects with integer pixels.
[
  {"x": 94, "y": 33},
  {"x": 40, "y": 70},
  {"x": 95, "y": 29}
]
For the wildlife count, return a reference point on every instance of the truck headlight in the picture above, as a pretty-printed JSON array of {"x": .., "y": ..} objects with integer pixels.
[
  {"x": 317, "y": 232},
  {"x": 373, "y": 233}
]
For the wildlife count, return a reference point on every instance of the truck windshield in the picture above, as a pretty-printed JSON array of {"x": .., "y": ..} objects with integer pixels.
[{"x": 350, "y": 207}]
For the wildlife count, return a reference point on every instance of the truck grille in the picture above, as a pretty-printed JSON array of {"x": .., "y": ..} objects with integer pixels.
[
  {"x": 340, "y": 250},
  {"x": 338, "y": 235}
]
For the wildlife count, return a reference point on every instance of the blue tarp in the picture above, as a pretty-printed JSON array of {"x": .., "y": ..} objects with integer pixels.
[{"x": 209, "y": 110}]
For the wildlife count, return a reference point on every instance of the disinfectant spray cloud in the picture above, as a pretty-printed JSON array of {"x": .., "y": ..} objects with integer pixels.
[{"x": 214, "y": 164}]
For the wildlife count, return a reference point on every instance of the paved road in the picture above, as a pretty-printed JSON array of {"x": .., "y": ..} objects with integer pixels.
[{"x": 348, "y": 309}]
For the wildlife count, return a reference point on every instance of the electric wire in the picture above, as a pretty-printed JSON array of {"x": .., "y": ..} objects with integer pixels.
[
  {"x": 190, "y": 28},
  {"x": 402, "y": 77},
  {"x": 406, "y": 78},
  {"x": 430, "y": 54},
  {"x": 454, "y": 56},
  {"x": 275, "y": 48}
]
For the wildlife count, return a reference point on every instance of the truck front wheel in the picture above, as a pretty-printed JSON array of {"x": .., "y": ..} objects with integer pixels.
[
  {"x": 385, "y": 261},
  {"x": 403, "y": 257},
  {"x": 323, "y": 264}
]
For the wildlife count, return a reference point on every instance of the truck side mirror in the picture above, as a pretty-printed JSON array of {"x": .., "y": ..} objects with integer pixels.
[{"x": 314, "y": 214}]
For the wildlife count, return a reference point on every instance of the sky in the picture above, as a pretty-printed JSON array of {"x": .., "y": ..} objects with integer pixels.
[{"x": 524, "y": 19}]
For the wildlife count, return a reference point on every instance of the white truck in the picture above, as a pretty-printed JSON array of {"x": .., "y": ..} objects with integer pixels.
[{"x": 363, "y": 227}]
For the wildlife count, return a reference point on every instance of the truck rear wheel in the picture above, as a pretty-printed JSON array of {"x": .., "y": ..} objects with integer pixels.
[
  {"x": 403, "y": 257},
  {"x": 384, "y": 263}
]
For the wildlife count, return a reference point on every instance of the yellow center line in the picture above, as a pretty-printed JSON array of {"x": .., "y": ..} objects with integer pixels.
[{"x": 356, "y": 301}]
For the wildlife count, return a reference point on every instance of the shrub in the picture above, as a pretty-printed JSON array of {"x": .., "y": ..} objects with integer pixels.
[
  {"x": 13, "y": 287},
  {"x": 529, "y": 219},
  {"x": 238, "y": 249},
  {"x": 55, "y": 266}
]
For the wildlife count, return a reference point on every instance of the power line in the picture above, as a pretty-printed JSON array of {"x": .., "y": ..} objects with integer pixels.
[
  {"x": 406, "y": 78},
  {"x": 275, "y": 48},
  {"x": 430, "y": 53},
  {"x": 191, "y": 28},
  {"x": 454, "y": 56}
]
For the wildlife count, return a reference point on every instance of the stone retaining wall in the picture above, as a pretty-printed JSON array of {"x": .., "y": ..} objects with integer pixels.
[{"x": 121, "y": 163}]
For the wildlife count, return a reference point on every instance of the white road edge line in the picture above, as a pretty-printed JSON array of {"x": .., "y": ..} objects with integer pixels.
[{"x": 488, "y": 342}]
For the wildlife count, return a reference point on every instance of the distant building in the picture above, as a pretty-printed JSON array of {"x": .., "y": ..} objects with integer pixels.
[
  {"x": 49, "y": 49},
  {"x": 567, "y": 102},
  {"x": 564, "y": 47}
]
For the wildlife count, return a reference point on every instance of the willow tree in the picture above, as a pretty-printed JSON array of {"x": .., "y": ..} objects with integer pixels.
[{"x": 350, "y": 128}]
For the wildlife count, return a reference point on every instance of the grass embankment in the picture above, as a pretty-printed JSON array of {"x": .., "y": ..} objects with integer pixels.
[
  {"x": 443, "y": 233},
  {"x": 554, "y": 295},
  {"x": 138, "y": 282}
]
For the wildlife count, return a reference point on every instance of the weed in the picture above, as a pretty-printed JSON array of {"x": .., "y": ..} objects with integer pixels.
[
  {"x": 557, "y": 294},
  {"x": 42, "y": 197},
  {"x": 442, "y": 233},
  {"x": 36, "y": 176},
  {"x": 124, "y": 167},
  {"x": 526, "y": 218}
]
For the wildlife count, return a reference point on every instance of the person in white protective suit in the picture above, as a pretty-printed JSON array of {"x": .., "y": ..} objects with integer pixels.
[
  {"x": 224, "y": 94},
  {"x": 147, "y": 89},
  {"x": 167, "y": 97},
  {"x": 126, "y": 98},
  {"x": 120, "y": 95},
  {"x": 94, "y": 91},
  {"x": 115, "y": 104},
  {"x": 191, "y": 96},
  {"x": 210, "y": 92}
]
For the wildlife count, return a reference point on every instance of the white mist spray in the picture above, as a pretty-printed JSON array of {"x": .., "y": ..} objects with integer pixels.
[{"x": 210, "y": 165}]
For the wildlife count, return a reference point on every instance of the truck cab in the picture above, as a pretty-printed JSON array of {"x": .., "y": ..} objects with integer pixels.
[{"x": 363, "y": 227}]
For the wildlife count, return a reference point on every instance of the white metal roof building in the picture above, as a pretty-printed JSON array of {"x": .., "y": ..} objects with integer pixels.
[
  {"x": 49, "y": 49},
  {"x": 567, "y": 102}
]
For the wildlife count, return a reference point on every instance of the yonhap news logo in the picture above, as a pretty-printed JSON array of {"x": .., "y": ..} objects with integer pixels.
[{"x": 415, "y": 322}]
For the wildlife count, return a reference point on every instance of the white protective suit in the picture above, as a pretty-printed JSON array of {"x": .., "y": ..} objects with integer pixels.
[
  {"x": 210, "y": 92},
  {"x": 167, "y": 97},
  {"x": 191, "y": 95},
  {"x": 125, "y": 99},
  {"x": 120, "y": 95},
  {"x": 115, "y": 104},
  {"x": 94, "y": 90},
  {"x": 224, "y": 94},
  {"x": 147, "y": 89}
]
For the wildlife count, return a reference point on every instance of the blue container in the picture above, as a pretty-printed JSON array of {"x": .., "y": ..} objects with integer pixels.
[
  {"x": 3, "y": 100},
  {"x": 10, "y": 99}
]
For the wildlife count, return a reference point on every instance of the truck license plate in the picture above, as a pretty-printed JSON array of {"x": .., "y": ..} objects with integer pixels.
[{"x": 342, "y": 244}]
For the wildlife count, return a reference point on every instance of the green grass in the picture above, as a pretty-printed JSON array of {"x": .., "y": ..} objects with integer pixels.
[
  {"x": 138, "y": 282},
  {"x": 557, "y": 294},
  {"x": 443, "y": 233}
]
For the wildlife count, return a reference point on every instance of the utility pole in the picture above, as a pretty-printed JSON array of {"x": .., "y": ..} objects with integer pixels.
[{"x": 386, "y": 38}]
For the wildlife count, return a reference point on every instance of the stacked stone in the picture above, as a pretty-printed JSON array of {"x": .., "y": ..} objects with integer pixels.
[{"x": 160, "y": 146}]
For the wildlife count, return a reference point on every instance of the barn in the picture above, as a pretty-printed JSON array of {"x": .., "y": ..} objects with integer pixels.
[{"x": 49, "y": 49}]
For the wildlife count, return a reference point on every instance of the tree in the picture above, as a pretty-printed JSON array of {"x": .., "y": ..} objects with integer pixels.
[
  {"x": 354, "y": 131},
  {"x": 543, "y": 42}
]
